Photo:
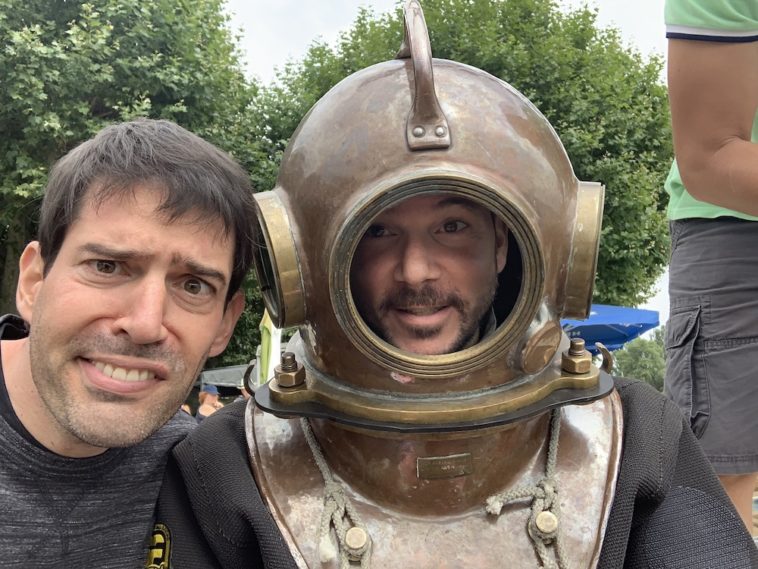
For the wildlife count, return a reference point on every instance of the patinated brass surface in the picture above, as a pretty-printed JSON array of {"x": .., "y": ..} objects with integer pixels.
[
  {"x": 533, "y": 200},
  {"x": 276, "y": 262},
  {"x": 448, "y": 466},
  {"x": 541, "y": 347},
  {"x": 395, "y": 472},
  {"x": 576, "y": 360},
  {"x": 608, "y": 359},
  {"x": 427, "y": 125},
  {"x": 289, "y": 373},
  {"x": 432, "y": 408},
  {"x": 583, "y": 260},
  {"x": 352, "y": 157},
  {"x": 318, "y": 188},
  {"x": 440, "y": 523}
]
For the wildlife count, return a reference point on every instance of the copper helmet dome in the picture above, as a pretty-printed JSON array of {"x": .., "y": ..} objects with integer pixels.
[{"x": 410, "y": 127}]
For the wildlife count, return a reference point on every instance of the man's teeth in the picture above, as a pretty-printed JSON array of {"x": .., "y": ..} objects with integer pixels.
[
  {"x": 123, "y": 374},
  {"x": 422, "y": 310}
]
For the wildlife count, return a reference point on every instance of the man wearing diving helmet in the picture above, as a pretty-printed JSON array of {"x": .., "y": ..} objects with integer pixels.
[{"x": 430, "y": 412}]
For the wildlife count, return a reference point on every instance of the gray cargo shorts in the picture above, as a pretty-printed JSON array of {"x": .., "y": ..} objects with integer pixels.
[{"x": 712, "y": 337}]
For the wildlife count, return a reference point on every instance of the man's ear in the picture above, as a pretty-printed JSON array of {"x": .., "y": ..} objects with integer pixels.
[
  {"x": 501, "y": 244},
  {"x": 31, "y": 269},
  {"x": 228, "y": 322}
]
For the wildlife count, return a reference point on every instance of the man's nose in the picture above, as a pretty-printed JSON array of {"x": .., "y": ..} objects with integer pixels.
[
  {"x": 417, "y": 263},
  {"x": 144, "y": 312}
]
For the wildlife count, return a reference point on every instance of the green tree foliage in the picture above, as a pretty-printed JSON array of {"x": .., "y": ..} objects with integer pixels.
[
  {"x": 71, "y": 67},
  {"x": 605, "y": 101},
  {"x": 643, "y": 359}
]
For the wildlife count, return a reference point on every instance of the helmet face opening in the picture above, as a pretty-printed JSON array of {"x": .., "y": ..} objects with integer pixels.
[
  {"x": 425, "y": 273},
  {"x": 436, "y": 279}
]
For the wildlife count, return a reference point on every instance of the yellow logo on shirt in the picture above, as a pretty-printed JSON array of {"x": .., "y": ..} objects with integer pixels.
[{"x": 159, "y": 554}]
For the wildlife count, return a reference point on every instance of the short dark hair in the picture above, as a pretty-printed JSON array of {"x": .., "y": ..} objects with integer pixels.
[{"x": 196, "y": 178}]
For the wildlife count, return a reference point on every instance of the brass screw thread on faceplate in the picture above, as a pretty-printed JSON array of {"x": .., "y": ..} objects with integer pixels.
[{"x": 289, "y": 373}]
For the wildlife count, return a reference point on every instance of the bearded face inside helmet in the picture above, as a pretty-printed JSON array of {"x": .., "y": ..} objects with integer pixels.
[{"x": 425, "y": 273}]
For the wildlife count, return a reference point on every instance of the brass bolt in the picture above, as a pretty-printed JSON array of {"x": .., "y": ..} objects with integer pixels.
[
  {"x": 546, "y": 522},
  {"x": 356, "y": 540},
  {"x": 289, "y": 373},
  {"x": 577, "y": 347},
  {"x": 289, "y": 363},
  {"x": 576, "y": 359}
]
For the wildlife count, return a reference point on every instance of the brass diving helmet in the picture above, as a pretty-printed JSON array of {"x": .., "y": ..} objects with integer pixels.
[{"x": 418, "y": 126}]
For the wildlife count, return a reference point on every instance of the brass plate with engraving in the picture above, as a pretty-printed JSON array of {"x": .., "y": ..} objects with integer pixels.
[{"x": 440, "y": 467}]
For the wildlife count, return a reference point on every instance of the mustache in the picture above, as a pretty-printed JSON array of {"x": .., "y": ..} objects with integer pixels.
[
  {"x": 123, "y": 347},
  {"x": 427, "y": 295}
]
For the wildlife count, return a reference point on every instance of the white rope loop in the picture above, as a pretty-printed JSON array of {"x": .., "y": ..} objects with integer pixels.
[
  {"x": 338, "y": 513},
  {"x": 544, "y": 520},
  {"x": 543, "y": 526}
]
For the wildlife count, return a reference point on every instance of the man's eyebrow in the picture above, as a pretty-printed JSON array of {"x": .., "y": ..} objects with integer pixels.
[
  {"x": 110, "y": 253},
  {"x": 197, "y": 269},
  {"x": 201, "y": 270}
]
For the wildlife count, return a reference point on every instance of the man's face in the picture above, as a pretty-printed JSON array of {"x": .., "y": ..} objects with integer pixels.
[
  {"x": 425, "y": 273},
  {"x": 125, "y": 318}
]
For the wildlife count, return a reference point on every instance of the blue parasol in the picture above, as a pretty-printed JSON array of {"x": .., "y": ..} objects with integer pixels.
[{"x": 611, "y": 325}]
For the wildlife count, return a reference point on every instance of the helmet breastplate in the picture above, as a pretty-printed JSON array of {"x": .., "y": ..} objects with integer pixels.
[{"x": 421, "y": 498}]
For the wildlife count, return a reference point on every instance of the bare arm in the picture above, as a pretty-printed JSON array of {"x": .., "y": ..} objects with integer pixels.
[{"x": 713, "y": 88}]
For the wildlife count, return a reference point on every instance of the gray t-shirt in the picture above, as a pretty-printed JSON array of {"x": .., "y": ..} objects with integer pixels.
[{"x": 58, "y": 512}]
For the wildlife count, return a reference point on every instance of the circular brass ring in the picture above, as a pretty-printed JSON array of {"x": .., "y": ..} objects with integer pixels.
[
  {"x": 276, "y": 263},
  {"x": 446, "y": 365}
]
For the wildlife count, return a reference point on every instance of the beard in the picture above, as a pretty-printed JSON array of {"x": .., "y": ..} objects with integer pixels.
[
  {"x": 98, "y": 418},
  {"x": 471, "y": 315}
]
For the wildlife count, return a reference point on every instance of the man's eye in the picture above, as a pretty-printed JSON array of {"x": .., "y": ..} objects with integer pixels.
[
  {"x": 105, "y": 267},
  {"x": 377, "y": 231},
  {"x": 196, "y": 287},
  {"x": 453, "y": 226}
]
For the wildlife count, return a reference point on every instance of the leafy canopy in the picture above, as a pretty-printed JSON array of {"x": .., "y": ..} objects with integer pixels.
[
  {"x": 71, "y": 67},
  {"x": 644, "y": 359}
]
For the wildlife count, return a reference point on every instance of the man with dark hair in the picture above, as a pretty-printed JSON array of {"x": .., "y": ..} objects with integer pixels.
[{"x": 133, "y": 282}]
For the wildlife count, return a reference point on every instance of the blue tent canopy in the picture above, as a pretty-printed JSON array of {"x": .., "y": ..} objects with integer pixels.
[{"x": 613, "y": 326}]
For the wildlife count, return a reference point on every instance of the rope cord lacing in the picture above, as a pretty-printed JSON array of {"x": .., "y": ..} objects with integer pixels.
[
  {"x": 543, "y": 526},
  {"x": 543, "y": 530},
  {"x": 339, "y": 514}
]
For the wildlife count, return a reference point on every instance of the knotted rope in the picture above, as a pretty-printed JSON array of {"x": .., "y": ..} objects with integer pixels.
[
  {"x": 543, "y": 523},
  {"x": 353, "y": 541}
]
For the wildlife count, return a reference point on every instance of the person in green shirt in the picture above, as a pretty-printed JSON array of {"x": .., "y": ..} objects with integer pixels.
[{"x": 712, "y": 336}]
